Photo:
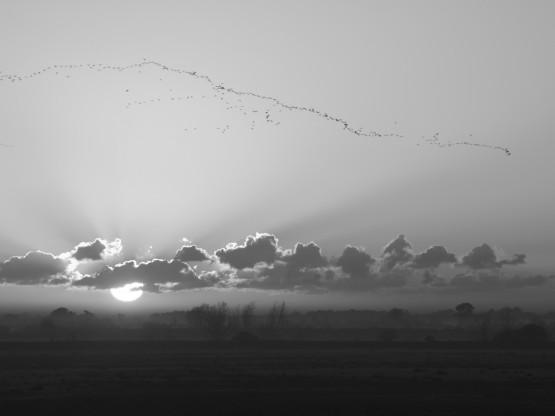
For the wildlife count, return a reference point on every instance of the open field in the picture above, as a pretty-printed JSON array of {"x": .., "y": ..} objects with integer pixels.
[{"x": 275, "y": 378}]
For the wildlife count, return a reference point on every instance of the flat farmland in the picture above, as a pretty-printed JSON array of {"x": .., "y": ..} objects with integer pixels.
[{"x": 275, "y": 378}]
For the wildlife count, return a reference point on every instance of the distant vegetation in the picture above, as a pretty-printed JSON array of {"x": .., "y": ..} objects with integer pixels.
[{"x": 248, "y": 323}]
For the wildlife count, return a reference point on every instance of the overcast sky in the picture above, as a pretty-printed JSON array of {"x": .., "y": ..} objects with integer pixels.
[{"x": 143, "y": 123}]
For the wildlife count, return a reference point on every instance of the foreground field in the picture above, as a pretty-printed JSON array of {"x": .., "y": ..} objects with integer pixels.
[{"x": 199, "y": 378}]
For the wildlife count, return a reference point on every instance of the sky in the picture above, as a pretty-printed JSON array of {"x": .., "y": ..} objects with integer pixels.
[{"x": 375, "y": 130}]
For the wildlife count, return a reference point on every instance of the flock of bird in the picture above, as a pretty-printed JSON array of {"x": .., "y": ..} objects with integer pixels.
[
  {"x": 230, "y": 97},
  {"x": 434, "y": 140}
]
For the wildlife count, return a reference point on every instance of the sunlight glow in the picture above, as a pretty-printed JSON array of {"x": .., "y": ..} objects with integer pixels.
[{"x": 128, "y": 293}]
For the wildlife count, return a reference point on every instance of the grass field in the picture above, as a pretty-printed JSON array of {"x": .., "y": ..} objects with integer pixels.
[{"x": 275, "y": 378}]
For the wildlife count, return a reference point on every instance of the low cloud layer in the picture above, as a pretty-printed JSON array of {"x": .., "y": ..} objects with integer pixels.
[
  {"x": 484, "y": 257},
  {"x": 260, "y": 263},
  {"x": 495, "y": 283},
  {"x": 156, "y": 276}
]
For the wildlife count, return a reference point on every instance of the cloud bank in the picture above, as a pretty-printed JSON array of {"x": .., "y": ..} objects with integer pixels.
[{"x": 260, "y": 263}]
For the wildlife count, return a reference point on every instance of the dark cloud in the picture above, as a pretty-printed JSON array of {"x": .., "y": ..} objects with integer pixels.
[
  {"x": 375, "y": 281},
  {"x": 396, "y": 253},
  {"x": 433, "y": 257},
  {"x": 304, "y": 256},
  {"x": 261, "y": 248},
  {"x": 260, "y": 263},
  {"x": 89, "y": 251},
  {"x": 517, "y": 259},
  {"x": 34, "y": 268},
  {"x": 493, "y": 283},
  {"x": 280, "y": 276},
  {"x": 191, "y": 253},
  {"x": 483, "y": 257},
  {"x": 303, "y": 268},
  {"x": 155, "y": 275},
  {"x": 99, "y": 249},
  {"x": 432, "y": 279},
  {"x": 355, "y": 262}
]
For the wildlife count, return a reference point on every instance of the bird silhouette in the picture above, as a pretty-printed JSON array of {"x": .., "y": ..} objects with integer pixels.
[{"x": 226, "y": 93}]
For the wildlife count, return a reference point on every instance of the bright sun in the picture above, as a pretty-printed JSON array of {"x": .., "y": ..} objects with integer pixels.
[{"x": 128, "y": 293}]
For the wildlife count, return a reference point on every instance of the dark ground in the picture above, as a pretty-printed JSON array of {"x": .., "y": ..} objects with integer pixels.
[{"x": 275, "y": 378}]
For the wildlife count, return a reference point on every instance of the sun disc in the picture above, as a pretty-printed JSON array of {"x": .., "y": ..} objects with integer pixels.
[{"x": 128, "y": 293}]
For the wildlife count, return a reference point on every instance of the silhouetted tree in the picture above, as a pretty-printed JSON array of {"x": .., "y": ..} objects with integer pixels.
[
  {"x": 247, "y": 315},
  {"x": 48, "y": 327},
  {"x": 60, "y": 323},
  {"x": 485, "y": 324},
  {"x": 276, "y": 320},
  {"x": 234, "y": 318},
  {"x": 463, "y": 312},
  {"x": 61, "y": 314},
  {"x": 213, "y": 320},
  {"x": 508, "y": 317}
]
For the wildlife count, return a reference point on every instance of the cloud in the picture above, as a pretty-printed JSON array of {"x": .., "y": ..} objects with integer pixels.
[
  {"x": 303, "y": 268},
  {"x": 34, "y": 268},
  {"x": 483, "y": 257},
  {"x": 304, "y": 256},
  {"x": 99, "y": 249},
  {"x": 259, "y": 263},
  {"x": 280, "y": 276},
  {"x": 493, "y": 283},
  {"x": 262, "y": 248},
  {"x": 191, "y": 253},
  {"x": 374, "y": 281},
  {"x": 432, "y": 258},
  {"x": 517, "y": 259},
  {"x": 155, "y": 275},
  {"x": 355, "y": 262},
  {"x": 432, "y": 279},
  {"x": 396, "y": 253}
]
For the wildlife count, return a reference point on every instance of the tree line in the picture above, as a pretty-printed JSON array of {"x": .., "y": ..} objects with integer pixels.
[{"x": 248, "y": 323}]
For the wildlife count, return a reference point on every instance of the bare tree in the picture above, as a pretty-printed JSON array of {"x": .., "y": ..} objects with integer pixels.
[
  {"x": 213, "y": 320},
  {"x": 235, "y": 318},
  {"x": 276, "y": 319},
  {"x": 247, "y": 315},
  {"x": 240, "y": 318}
]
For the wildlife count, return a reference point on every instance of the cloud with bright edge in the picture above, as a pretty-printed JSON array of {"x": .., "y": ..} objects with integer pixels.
[
  {"x": 484, "y": 257},
  {"x": 355, "y": 262},
  {"x": 259, "y": 263},
  {"x": 433, "y": 257},
  {"x": 155, "y": 275},
  {"x": 34, "y": 268},
  {"x": 261, "y": 248},
  {"x": 192, "y": 253},
  {"x": 397, "y": 252}
]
